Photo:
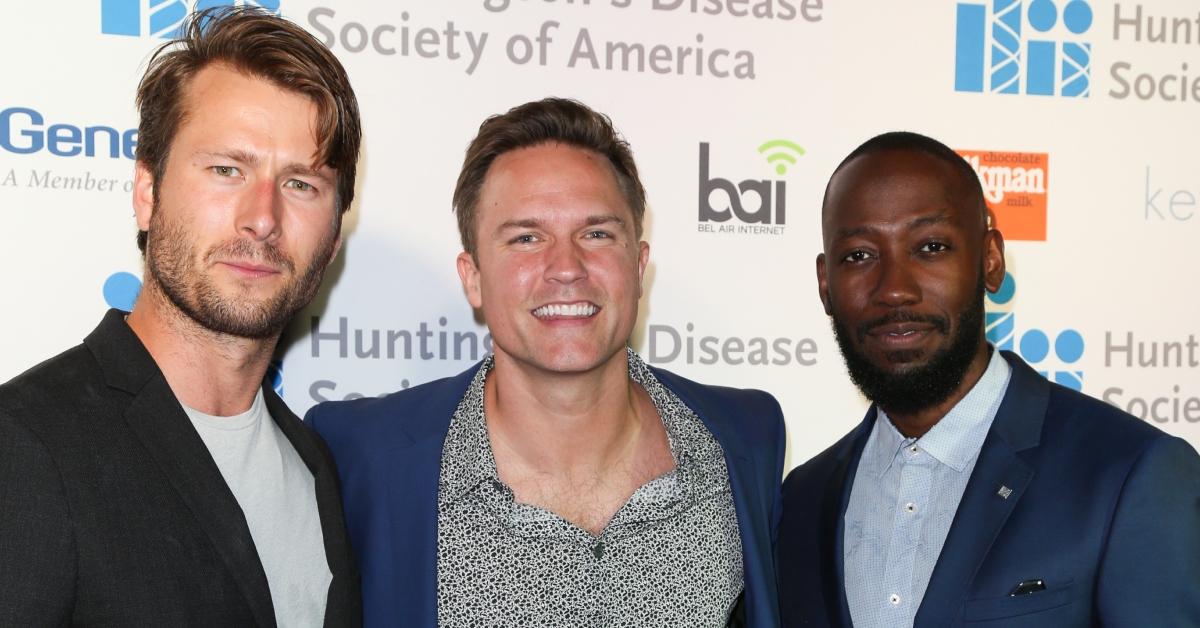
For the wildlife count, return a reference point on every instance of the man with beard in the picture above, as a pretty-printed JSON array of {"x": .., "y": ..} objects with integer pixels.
[
  {"x": 974, "y": 491},
  {"x": 148, "y": 477}
]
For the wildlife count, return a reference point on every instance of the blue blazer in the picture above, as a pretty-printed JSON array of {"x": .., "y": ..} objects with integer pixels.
[
  {"x": 388, "y": 452},
  {"x": 1104, "y": 508}
]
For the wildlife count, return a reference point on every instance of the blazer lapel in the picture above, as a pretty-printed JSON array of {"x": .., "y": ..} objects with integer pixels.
[
  {"x": 761, "y": 608},
  {"x": 413, "y": 478},
  {"x": 832, "y": 526},
  {"x": 158, "y": 419},
  {"x": 995, "y": 488}
]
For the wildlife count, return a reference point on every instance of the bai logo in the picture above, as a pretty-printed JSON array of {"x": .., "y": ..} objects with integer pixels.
[
  {"x": 1014, "y": 186},
  {"x": 761, "y": 202},
  {"x": 1033, "y": 344},
  {"x": 1024, "y": 47},
  {"x": 160, "y": 18}
]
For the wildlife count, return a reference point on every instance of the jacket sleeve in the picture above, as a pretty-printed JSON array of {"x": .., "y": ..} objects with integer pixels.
[
  {"x": 1150, "y": 573},
  {"x": 37, "y": 551}
]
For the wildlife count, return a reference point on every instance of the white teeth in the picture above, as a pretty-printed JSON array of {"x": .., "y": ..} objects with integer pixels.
[{"x": 571, "y": 310}]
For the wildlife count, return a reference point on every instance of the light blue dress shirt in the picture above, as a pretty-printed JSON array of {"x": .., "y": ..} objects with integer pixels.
[{"x": 903, "y": 501}]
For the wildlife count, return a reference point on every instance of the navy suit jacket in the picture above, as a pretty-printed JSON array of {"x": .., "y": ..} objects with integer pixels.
[
  {"x": 1104, "y": 508},
  {"x": 388, "y": 452}
]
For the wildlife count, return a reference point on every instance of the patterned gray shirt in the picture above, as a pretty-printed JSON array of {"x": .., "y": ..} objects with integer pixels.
[{"x": 671, "y": 556}]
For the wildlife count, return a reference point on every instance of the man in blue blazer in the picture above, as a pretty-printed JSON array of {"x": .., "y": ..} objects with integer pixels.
[
  {"x": 974, "y": 492},
  {"x": 562, "y": 481}
]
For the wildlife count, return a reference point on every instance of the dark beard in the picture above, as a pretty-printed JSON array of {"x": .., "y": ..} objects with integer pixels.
[
  {"x": 924, "y": 386},
  {"x": 170, "y": 263}
]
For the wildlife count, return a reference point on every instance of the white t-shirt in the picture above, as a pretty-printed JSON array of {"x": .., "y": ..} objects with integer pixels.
[{"x": 276, "y": 492}]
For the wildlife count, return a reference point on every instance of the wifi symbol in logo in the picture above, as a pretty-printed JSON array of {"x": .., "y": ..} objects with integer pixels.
[{"x": 782, "y": 153}]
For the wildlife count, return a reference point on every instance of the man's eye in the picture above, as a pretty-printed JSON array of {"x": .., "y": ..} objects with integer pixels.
[
  {"x": 856, "y": 256},
  {"x": 299, "y": 185},
  {"x": 597, "y": 234},
  {"x": 524, "y": 238},
  {"x": 226, "y": 171},
  {"x": 934, "y": 247}
]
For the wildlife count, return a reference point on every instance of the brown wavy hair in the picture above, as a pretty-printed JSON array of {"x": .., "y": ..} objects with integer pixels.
[
  {"x": 545, "y": 121},
  {"x": 262, "y": 45}
]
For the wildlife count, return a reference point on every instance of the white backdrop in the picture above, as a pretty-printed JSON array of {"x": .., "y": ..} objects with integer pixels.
[{"x": 1092, "y": 150}]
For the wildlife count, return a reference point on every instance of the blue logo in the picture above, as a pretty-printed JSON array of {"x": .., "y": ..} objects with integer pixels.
[
  {"x": 24, "y": 131},
  {"x": 274, "y": 376},
  {"x": 1034, "y": 344},
  {"x": 1024, "y": 47},
  {"x": 160, "y": 18},
  {"x": 121, "y": 290}
]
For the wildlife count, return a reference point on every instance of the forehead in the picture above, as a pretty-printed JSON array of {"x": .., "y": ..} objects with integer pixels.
[
  {"x": 894, "y": 187},
  {"x": 549, "y": 179},
  {"x": 220, "y": 98}
]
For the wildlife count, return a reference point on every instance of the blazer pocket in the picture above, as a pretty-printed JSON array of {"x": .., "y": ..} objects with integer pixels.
[{"x": 985, "y": 609}]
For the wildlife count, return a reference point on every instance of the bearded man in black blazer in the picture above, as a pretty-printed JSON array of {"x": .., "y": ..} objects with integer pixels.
[{"x": 147, "y": 477}]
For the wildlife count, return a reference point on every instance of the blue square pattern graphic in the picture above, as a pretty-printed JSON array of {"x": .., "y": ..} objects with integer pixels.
[
  {"x": 1037, "y": 47},
  {"x": 160, "y": 18},
  {"x": 1033, "y": 344}
]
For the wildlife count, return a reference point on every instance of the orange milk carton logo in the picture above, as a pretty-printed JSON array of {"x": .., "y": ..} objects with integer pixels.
[{"x": 1014, "y": 185}]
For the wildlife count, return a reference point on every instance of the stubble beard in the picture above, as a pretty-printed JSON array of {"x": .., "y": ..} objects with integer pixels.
[
  {"x": 173, "y": 266},
  {"x": 921, "y": 387}
]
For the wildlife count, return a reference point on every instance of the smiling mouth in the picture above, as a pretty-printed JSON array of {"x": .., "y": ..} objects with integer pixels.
[{"x": 566, "y": 310}]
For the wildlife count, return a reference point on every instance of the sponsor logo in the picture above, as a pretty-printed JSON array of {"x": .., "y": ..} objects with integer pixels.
[
  {"x": 24, "y": 131},
  {"x": 274, "y": 376},
  {"x": 1033, "y": 344},
  {"x": 121, "y": 290},
  {"x": 1014, "y": 186},
  {"x": 160, "y": 18},
  {"x": 757, "y": 206},
  {"x": 1038, "y": 47}
]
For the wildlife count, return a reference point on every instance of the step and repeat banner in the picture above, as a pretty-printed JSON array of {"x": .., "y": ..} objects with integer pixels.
[{"x": 1081, "y": 118}]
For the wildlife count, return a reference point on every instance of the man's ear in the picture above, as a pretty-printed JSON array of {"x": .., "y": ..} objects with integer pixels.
[
  {"x": 143, "y": 194},
  {"x": 643, "y": 259},
  {"x": 993, "y": 260},
  {"x": 823, "y": 284},
  {"x": 468, "y": 272}
]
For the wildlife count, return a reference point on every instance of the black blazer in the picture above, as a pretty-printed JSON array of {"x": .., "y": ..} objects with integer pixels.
[{"x": 113, "y": 513}]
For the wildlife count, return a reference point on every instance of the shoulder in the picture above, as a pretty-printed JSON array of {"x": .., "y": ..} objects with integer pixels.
[
  {"x": 815, "y": 472},
  {"x": 416, "y": 409},
  {"x": 55, "y": 391},
  {"x": 1095, "y": 428}
]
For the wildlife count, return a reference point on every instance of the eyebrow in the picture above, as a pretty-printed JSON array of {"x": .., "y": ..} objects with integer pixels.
[
  {"x": 252, "y": 159},
  {"x": 532, "y": 223}
]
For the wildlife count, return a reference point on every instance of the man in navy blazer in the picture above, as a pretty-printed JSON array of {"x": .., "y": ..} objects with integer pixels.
[
  {"x": 974, "y": 492},
  {"x": 560, "y": 482}
]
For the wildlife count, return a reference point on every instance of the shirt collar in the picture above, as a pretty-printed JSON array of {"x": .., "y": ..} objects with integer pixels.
[
  {"x": 467, "y": 457},
  {"x": 956, "y": 439},
  {"x": 469, "y": 460}
]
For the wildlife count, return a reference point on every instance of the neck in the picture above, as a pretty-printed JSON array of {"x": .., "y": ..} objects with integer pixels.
[
  {"x": 214, "y": 373},
  {"x": 567, "y": 423},
  {"x": 917, "y": 424}
]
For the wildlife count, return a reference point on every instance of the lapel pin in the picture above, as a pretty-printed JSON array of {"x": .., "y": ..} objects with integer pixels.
[{"x": 1004, "y": 491}]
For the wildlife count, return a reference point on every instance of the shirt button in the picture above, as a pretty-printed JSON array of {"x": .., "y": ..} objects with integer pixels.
[
  {"x": 910, "y": 507},
  {"x": 598, "y": 550},
  {"x": 894, "y": 599},
  {"x": 914, "y": 449}
]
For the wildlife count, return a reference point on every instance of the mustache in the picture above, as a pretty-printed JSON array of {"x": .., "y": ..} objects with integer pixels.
[
  {"x": 246, "y": 250},
  {"x": 939, "y": 323}
]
